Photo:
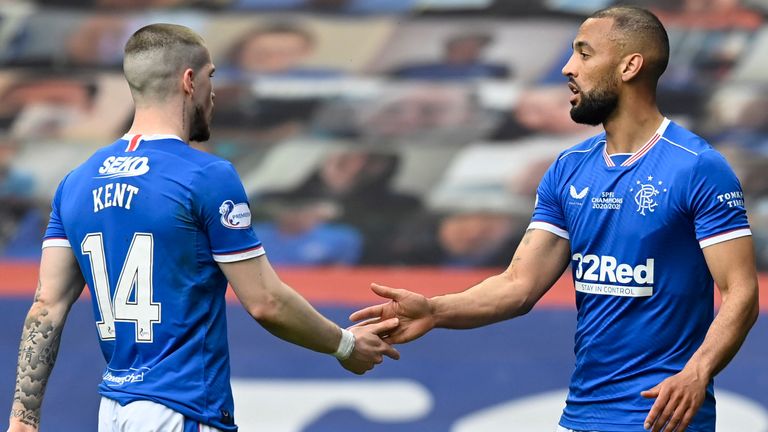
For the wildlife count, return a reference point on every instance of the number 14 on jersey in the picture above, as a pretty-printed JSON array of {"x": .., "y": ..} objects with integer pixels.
[{"x": 135, "y": 280}]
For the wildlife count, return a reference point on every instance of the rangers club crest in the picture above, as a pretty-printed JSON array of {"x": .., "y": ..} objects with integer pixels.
[{"x": 646, "y": 194}]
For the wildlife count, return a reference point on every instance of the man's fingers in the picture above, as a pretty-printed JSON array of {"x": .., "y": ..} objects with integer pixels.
[
  {"x": 686, "y": 420},
  {"x": 387, "y": 292},
  {"x": 367, "y": 313},
  {"x": 365, "y": 323},
  {"x": 665, "y": 419},
  {"x": 651, "y": 393},
  {"x": 391, "y": 352},
  {"x": 684, "y": 413},
  {"x": 384, "y": 326},
  {"x": 674, "y": 424},
  {"x": 656, "y": 409},
  {"x": 672, "y": 401},
  {"x": 395, "y": 338},
  {"x": 378, "y": 310},
  {"x": 661, "y": 420},
  {"x": 654, "y": 415}
]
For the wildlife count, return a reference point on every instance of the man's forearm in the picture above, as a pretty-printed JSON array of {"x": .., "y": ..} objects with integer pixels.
[
  {"x": 293, "y": 319},
  {"x": 492, "y": 300},
  {"x": 540, "y": 259},
  {"x": 37, "y": 354},
  {"x": 726, "y": 333}
]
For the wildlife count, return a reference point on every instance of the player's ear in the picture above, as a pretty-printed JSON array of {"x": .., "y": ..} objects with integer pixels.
[
  {"x": 630, "y": 66},
  {"x": 187, "y": 81}
]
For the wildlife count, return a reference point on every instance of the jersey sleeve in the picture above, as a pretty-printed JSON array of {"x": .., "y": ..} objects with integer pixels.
[
  {"x": 716, "y": 201},
  {"x": 222, "y": 207},
  {"x": 54, "y": 233},
  {"x": 548, "y": 212}
]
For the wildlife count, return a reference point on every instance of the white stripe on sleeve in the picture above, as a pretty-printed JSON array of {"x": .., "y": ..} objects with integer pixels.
[
  {"x": 239, "y": 256},
  {"x": 56, "y": 242},
  {"x": 551, "y": 228},
  {"x": 729, "y": 235}
]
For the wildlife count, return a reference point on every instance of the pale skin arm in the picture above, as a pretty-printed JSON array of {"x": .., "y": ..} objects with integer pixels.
[
  {"x": 538, "y": 262},
  {"x": 678, "y": 398},
  {"x": 287, "y": 315},
  {"x": 60, "y": 284}
]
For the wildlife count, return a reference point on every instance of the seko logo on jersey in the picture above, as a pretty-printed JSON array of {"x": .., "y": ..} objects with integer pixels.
[
  {"x": 236, "y": 216},
  {"x": 124, "y": 166},
  {"x": 604, "y": 275},
  {"x": 118, "y": 195}
]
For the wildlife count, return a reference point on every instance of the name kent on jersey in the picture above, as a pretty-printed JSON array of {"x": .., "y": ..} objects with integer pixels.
[{"x": 118, "y": 194}]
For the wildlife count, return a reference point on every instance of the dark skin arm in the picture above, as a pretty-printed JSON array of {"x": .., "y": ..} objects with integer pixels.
[
  {"x": 679, "y": 397},
  {"x": 539, "y": 261}
]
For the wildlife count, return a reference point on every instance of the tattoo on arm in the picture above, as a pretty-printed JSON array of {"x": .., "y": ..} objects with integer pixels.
[{"x": 37, "y": 355}]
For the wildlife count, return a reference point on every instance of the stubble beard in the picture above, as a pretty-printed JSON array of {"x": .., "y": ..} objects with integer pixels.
[{"x": 200, "y": 127}]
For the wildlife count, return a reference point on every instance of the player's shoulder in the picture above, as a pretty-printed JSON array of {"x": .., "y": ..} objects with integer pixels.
[
  {"x": 96, "y": 159},
  {"x": 684, "y": 142},
  {"x": 688, "y": 148},
  {"x": 203, "y": 159},
  {"x": 173, "y": 147},
  {"x": 582, "y": 149}
]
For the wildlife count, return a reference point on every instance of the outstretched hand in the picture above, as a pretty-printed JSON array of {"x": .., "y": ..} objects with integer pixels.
[
  {"x": 411, "y": 309},
  {"x": 370, "y": 349}
]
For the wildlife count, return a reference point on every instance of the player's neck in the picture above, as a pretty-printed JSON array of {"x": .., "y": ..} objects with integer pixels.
[
  {"x": 628, "y": 130},
  {"x": 158, "y": 120}
]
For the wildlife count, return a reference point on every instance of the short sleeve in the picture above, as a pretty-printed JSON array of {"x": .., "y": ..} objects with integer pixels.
[
  {"x": 54, "y": 233},
  {"x": 221, "y": 205},
  {"x": 548, "y": 213},
  {"x": 716, "y": 201}
]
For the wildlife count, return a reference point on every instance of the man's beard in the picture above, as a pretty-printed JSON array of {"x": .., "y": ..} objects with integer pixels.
[
  {"x": 595, "y": 106},
  {"x": 201, "y": 130}
]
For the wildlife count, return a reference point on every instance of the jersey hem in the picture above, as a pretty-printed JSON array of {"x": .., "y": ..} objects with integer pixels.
[
  {"x": 728, "y": 235},
  {"x": 579, "y": 426},
  {"x": 56, "y": 242},
  {"x": 546, "y": 226},
  {"x": 239, "y": 255},
  {"x": 126, "y": 398}
]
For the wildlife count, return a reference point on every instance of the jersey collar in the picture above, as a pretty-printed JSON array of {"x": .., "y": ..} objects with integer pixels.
[
  {"x": 642, "y": 151},
  {"x": 134, "y": 140}
]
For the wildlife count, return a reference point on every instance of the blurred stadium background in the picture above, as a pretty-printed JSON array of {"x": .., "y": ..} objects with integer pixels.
[{"x": 391, "y": 140}]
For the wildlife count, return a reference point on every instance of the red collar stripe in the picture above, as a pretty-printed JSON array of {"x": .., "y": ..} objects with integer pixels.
[
  {"x": 643, "y": 150},
  {"x": 134, "y": 144},
  {"x": 608, "y": 160}
]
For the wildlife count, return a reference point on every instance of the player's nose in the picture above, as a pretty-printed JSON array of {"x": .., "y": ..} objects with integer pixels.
[{"x": 568, "y": 69}]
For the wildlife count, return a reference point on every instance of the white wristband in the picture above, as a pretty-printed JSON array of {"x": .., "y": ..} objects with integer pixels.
[{"x": 346, "y": 345}]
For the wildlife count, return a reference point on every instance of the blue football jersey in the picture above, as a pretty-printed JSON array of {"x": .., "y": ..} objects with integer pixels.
[
  {"x": 637, "y": 224},
  {"x": 148, "y": 218}
]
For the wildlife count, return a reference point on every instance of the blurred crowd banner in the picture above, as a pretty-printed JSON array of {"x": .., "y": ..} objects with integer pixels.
[{"x": 368, "y": 132}]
